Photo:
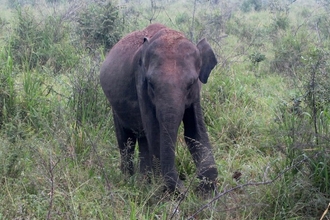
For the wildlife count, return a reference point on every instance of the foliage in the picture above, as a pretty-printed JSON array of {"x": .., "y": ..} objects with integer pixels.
[
  {"x": 41, "y": 41},
  {"x": 7, "y": 91},
  {"x": 252, "y": 38},
  {"x": 247, "y": 5},
  {"x": 316, "y": 65},
  {"x": 288, "y": 53},
  {"x": 305, "y": 127},
  {"x": 257, "y": 57},
  {"x": 87, "y": 102},
  {"x": 322, "y": 26},
  {"x": 18, "y": 3},
  {"x": 98, "y": 25}
]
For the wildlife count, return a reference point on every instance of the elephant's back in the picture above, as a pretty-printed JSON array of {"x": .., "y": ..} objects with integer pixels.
[
  {"x": 126, "y": 48},
  {"x": 117, "y": 68},
  {"x": 117, "y": 76},
  {"x": 119, "y": 60}
]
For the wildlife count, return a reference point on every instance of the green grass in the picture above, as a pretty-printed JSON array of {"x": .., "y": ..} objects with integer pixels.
[{"x": 58, "y": 151}]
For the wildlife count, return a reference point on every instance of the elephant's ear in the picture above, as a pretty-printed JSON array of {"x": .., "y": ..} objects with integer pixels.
[{"x": 208, "y": 60}]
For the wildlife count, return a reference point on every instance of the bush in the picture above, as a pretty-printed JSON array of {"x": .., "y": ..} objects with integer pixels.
[
  {"x": 18, "y": 3},
  {"x": 323, "y": 26},
  {"x": 288, "y": 51},
  {"x": 249, "y": 34},
  {"x": 247, "y": 5},
  {"x": 7, "y": 91},
  {"x": 40, "y": 41},
  {"x": 305, "y": 136},
  {"x": 98, "y": 25},
  {"x": 87, "y": 102},
  {"x": 316, "y": 79}
]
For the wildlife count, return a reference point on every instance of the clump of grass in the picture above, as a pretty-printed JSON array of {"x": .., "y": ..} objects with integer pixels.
[
  {"x": 87, "y": 102},
  {"x": 39, "y": 40},
  {"x": 7, "y": 91}
]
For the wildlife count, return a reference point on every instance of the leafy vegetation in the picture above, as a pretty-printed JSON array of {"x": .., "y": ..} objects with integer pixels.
[
  {"x": 266, "y": 107},
  {"x": 98, "y": 25}
]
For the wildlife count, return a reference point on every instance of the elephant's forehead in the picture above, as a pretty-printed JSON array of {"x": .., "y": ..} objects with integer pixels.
[
  {"x": 170, "y": 37},
  {"x": 169, "y": 49},
  {"x": 175, "y": 57},
  {"x": 174, "y": 70},
  {"x": 172, "y": 54},
  {"x": 172, "y": 43}
]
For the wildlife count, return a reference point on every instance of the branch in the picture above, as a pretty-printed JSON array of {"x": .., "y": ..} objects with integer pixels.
[
  {"x": 325, "y": 212},
  {"x": 52, "y": 180}
]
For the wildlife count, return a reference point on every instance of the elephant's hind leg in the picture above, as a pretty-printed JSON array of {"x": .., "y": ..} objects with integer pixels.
[
  {"x": 126, "y": 143},
  {"x": 145, "y": 160}
]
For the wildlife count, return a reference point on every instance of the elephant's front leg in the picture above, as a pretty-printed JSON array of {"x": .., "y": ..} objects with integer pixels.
[{"x": 199, "y": 146}]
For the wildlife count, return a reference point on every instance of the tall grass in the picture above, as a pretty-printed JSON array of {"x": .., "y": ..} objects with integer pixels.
[{"x": 7, "y": 92}]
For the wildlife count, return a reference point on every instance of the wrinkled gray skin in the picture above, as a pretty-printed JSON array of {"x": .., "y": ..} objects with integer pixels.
[{"x": 152, "y": 79}]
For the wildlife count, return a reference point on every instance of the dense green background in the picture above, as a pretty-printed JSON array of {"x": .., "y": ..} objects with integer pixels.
[{"x": 266, "y": 107}]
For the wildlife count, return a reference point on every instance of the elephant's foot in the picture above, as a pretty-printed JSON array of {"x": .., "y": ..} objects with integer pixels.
[
  {"x": 176, "y": 193},
  {"x": 210, "y": 173},
  {"x": 173, "y": 184},
  {"x": 206, "y": 187},
  {"x": 208, "y": 180}
]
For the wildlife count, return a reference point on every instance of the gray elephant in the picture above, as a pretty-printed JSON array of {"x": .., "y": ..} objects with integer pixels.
[{"x": 152, "y": 79}]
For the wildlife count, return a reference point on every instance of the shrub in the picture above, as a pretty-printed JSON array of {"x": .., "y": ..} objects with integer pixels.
[
  {"x": 323, "y": 27},
  {"x": 247, "y": 5},
  {"x": 257, "y": 57},
  {"x": 288, "y": 51},
  {"x": 7, "y": 91},
  {"x": 248, "y": 33},
  {"x": 87, "y": 102},
  {"x": 316, "y": 78},
  {"x": 305, "y": 136},
  {"x": 17, "y": 3},
  {"x": 41, "y": 41},
  {"x": 98, "y": 25}
]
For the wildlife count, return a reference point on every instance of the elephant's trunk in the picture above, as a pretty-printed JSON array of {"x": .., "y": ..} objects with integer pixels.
[{"x": 169, "y": 121}]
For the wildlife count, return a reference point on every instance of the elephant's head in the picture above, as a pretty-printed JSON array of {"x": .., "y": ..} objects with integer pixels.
[{"x": 169, "y": 76}]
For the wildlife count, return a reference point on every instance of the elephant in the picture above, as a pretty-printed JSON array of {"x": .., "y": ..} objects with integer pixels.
[{"x": 152, "y": 79}]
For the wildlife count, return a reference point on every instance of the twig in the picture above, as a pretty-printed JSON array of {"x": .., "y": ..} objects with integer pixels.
[
  {"x": 325, "y": 212},
  {"x": 52, "y": 180},
  {"x": 217, "y": 197},
  {"x": 313, "y": 96}
]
